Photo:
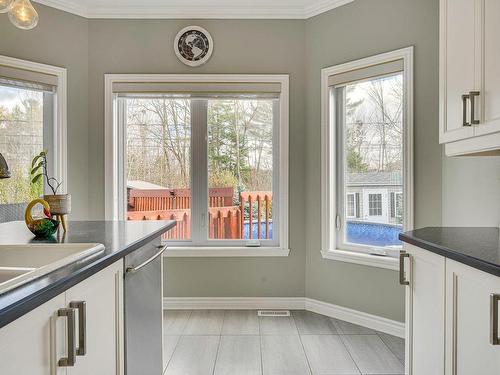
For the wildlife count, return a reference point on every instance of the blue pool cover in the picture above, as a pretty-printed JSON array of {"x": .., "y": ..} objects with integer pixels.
[{"x": 375, "y": 234}]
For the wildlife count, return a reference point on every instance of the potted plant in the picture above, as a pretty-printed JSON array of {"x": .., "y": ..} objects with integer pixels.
[{"x": 60, "y": 204}]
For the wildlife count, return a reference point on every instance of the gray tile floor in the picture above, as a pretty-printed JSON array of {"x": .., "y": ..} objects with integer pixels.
[{"x": 217, "y": 342}]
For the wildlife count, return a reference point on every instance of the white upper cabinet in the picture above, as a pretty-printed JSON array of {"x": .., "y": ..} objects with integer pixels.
[
  {"x": 457, "y": 67},
  {"x": 490, "y": 75},
  {"x": 469, "y": 76}
]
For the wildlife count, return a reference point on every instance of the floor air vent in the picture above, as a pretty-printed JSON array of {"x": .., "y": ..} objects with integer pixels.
[{"x": 276, "y": 313}]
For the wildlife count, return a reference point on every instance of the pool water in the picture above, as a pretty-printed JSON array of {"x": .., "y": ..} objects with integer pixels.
[{"x": 374, "y": 234}]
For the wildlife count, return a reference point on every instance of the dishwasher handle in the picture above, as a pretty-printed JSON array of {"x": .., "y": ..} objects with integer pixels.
[{"x": 132, "y": 269}]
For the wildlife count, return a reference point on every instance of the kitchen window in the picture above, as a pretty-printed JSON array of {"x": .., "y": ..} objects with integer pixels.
[
  {"x": 367, "y": 150},
  {"x": 209, "y": 152},
  {"x": 32, "y": 119}
]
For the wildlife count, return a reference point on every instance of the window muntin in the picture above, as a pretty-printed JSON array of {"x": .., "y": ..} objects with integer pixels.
[
  {"x": 256, "y": 119},
  {"x": 370, "y": 160}
]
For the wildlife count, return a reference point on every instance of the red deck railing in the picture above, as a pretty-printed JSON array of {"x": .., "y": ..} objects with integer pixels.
[{"x": 225, "y": 221}]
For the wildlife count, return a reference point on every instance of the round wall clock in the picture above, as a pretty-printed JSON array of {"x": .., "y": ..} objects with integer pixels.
[{"x": 193, "y": 45}]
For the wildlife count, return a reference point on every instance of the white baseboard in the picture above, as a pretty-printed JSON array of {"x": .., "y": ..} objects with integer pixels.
[
  {"x": 375, "y": 322},
  {"x": 232, "y": 303}
]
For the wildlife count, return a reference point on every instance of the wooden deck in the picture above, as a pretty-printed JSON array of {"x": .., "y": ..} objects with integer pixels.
[{"x": 225, "y": 220}]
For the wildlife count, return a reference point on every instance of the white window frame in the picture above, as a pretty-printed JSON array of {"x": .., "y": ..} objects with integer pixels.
[
  {"x": 329, "y": 154},
  {"x": 57, "y": 142},
  {"x": 115, "y": 184}
]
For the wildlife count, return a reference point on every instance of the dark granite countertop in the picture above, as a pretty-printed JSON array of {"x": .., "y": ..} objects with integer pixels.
[
  {"x": 475, "y": 247},
  {"x": 119, "y": 238}
]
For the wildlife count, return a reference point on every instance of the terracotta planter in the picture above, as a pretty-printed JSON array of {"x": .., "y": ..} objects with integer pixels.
[{"x": 60, "y": 204}]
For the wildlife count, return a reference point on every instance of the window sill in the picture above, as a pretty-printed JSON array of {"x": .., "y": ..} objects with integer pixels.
[
  {"x": 228, "y": 252},
  {"x": 360, "y": 258}
]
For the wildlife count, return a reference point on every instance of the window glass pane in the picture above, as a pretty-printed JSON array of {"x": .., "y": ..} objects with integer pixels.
[
  {"x": 158, "y": 168},
  {"x": 240, "y": 168},
  {"x": 21, "y": 138},
  {"x": 373, "y": 161}
]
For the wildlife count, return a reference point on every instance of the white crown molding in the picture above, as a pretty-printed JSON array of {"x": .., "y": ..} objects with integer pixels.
[
  {"x": 196, "y": 12},
  {"x": 323, "y": 6},
  {"x": 361, "y": 318},
  {"x": 66, "y": 6}
]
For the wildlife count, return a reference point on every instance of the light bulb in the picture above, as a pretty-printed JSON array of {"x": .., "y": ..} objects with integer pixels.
[
  {"x": 23, "y": 15},
  {"x": 5, "y": 5}
]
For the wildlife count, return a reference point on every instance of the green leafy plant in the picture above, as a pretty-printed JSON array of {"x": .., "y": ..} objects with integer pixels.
[{"x": 39, "y": 170}]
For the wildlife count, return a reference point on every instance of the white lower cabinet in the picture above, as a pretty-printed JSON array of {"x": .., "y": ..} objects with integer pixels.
[
  {"x": 450, "y": 316},
  {"x": 27, "y": 344},
  {"x": 425, "y": 298},
  {"x": 77, "y": 332},
  {"x": 469, "y": 323}
]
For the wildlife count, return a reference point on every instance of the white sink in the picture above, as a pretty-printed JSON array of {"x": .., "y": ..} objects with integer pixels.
[{"x": 22, "y": 263}]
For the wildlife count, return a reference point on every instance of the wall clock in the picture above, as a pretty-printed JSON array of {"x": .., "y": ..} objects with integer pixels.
[{"x": 193, "y": 45}]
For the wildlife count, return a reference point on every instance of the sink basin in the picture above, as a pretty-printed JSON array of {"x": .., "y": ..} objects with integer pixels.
[{"x": 22, "y": 263}]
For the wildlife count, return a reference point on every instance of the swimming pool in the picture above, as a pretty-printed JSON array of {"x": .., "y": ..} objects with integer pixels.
[{"x": 375, "y": 234}]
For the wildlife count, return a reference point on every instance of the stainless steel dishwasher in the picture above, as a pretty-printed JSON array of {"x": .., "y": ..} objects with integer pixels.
[{"x": 144, "y": 310}]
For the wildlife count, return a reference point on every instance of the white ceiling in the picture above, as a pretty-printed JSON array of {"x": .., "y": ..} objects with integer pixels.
[{"x": 236, "y": 9}]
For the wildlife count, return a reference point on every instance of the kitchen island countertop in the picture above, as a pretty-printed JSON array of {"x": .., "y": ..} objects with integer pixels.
[
  {"x": 477, "y": 247},
  {"x": 119, "y": 238}
]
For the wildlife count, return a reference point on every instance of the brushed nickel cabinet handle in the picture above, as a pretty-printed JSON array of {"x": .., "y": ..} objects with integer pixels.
[
  {"x": 132, "y": 269},
  {"x": 472, "y": 96},
  {"x": 402, "y": 256},
  {"x": 81, "y": 306},
  {"x": 464, "y": 110},
  {"x": 494, "y": 299},
  {"x": 69, "y": 361}
]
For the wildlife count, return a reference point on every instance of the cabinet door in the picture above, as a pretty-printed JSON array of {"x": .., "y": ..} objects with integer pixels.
[
  {"x": 103, "y": 332},
  {"x": 489, "y": 62},
  {"x": 468, "y": 326},
  {"x": 457, "y": 69},
  {"x": 35, "y": 342},
  {"x": 425, "y": 312}
]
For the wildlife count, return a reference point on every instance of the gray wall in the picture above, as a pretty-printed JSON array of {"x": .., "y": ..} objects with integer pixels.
[
  {"x": 91, "y": 48},
  {"x": 471, "y": 191},
  {"x": 254, "y": 46},
  {"x": 61, "y": 39},
  {"x": 357, "y": 30}
]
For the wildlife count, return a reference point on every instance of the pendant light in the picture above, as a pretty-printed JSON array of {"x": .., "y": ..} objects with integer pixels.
[
  {"x": 5, "y": 5},
  {"x": 23, "y": 15}
]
